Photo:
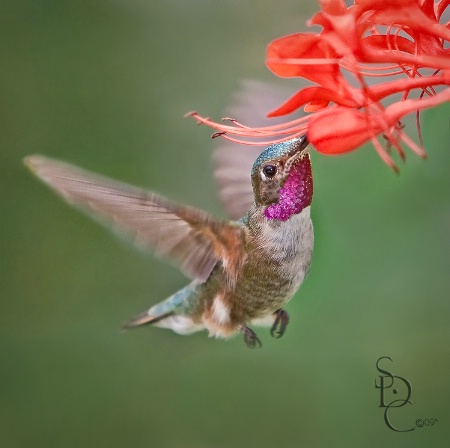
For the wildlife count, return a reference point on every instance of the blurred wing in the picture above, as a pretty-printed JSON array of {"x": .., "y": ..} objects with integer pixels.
[
  {"x": 233, "y": 162},
  {"x": 191, "y": 238},
  {"x": 232, "y": 167}
]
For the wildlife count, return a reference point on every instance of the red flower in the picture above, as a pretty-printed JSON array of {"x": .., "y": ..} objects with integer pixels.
[{"x": 364, "y": 54}]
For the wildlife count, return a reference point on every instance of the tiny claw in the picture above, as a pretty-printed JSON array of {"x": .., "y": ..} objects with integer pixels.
[
  {"x": 191, "y": 113},
  {"x": 279, "y": 326},
  {"x": 233, "y": 120},
  {"x": 218, "y": 134},
  {"x": 250, "y": 338}
]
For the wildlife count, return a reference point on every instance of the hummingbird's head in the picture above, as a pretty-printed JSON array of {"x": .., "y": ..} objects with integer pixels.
[{"x": 282, "y": 179}]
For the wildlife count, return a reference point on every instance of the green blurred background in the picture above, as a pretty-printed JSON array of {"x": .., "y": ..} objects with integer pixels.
[{"x": 105, "y": 84}]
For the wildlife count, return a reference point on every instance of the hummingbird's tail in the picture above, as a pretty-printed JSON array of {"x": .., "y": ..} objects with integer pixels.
[
  {"x": 143, "y": 319},
  {"x": 157, "y": 313},
  {"x": 178, "y": 323},
  {"x": 173, "y": 313}
]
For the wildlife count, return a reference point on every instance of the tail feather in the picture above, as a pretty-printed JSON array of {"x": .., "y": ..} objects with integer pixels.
[
  {"x": 144, "y": 319},
  {"x": 171, "y": 313}
]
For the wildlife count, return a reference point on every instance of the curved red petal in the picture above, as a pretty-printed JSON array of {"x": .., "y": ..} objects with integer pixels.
[
  {"x": 339, "y": 130},
  {"x": 284, "y": 54},
  {"x": 415, "y": 60},
  {"x": 378, "y": 92},
  {"x": 316, "y": 96},
  {"x": 388, "y": 42},
  {"x": 398, "y": 110},
  {"x": 294, "y": 46}
]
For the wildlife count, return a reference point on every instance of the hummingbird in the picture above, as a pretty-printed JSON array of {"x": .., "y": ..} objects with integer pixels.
[{"x": 243, "y": 271}]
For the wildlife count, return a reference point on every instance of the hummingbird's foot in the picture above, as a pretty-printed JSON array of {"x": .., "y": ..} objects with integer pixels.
[
  {"x": 280, "y": 324},
  {"x": 250, "y": 338}
]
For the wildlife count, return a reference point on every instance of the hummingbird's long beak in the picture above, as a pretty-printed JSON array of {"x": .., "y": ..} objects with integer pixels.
[
  {"x": 299, "y": 150},
  {"x": 303, "y": 144}
]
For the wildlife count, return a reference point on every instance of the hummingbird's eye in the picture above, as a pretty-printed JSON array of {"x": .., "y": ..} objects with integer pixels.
[{"x": 270, "y": 171}]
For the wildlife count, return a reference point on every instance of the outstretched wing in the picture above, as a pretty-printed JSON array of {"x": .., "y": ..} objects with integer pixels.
[
  {"x": 190, "y": 237},
  {"x": 233, "y": 162}
]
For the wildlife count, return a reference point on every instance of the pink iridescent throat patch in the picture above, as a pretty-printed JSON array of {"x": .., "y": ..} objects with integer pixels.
[{"x": 296, "y": 193}]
